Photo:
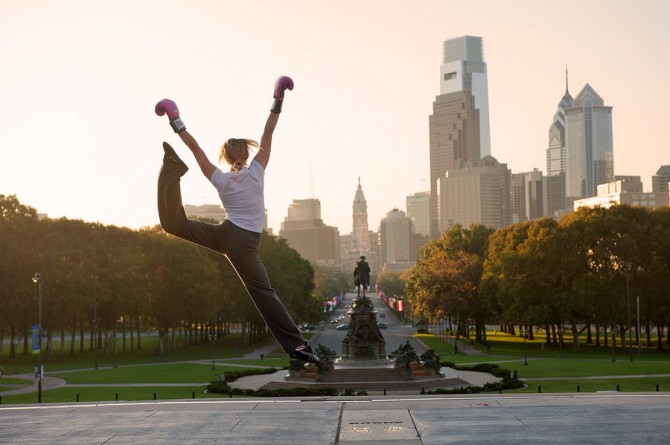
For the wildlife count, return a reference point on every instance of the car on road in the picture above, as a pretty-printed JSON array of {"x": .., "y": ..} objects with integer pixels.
[
  {"x": 307, "y": 327},
  {"x": 382, "y": 325},
  {"x": 343, "y": 327}
]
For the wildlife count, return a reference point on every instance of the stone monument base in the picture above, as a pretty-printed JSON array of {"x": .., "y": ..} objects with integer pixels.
[{"x": 343, "y": 362}]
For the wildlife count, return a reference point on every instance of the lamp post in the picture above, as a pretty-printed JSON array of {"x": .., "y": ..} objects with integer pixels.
[
  {"x": 639, "y": 333},
  {"x": 37, "y": 278},
  {"x": 525, "y": 355},
  {"x": 16, "y": 356},
  {"x": 630, "y": 323},
  {"x": 613, "y": 340},
  {"x": 212, "y": 337},
  {"x": 94, "y": 279}
]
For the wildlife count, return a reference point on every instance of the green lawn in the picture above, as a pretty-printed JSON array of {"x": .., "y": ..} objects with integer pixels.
[
  {"x": 225, "y": 347},
  {"x": 183, "y": 374},
  {"x": 108, "y": 394},
  {"x": 187, "y": 373},
  {"x": 568, "y": 373},
  {"x": 595, "y": 385}
]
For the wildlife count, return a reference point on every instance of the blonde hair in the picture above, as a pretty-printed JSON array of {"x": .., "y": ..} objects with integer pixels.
[{"x": 236, "y": 152}]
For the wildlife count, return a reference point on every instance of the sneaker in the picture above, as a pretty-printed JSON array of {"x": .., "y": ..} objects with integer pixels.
[
  {"x": 171, "y": 156},
  {"x": 304, "y": 352}
]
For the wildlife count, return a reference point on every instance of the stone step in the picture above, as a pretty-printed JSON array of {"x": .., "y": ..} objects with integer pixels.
[
  {"x": 401, "y": 385},
  {"x": 363, "y": 375}
]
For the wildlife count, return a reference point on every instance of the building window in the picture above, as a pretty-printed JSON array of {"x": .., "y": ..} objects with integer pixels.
[{"x": 449, "y": 76}]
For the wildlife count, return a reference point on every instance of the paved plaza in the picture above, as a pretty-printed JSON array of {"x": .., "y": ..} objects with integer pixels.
[{"x": 608, "y": 418}]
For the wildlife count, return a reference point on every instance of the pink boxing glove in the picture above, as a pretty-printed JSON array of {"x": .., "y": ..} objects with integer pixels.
[
  {"x": 281, "y": 84},
  {"x": 166, "y": 106}
]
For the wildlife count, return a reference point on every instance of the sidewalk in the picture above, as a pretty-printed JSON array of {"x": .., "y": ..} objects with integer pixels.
[
  {"x": 468, "y": 419},
  {"x": 47, "y": 383}
]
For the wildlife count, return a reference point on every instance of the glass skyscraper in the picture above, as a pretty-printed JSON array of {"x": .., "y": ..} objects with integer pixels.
[
  {"x": 459, "y": 125},
  {"x": 464, "y": 69},
  {"x": 556, "y": 156},
  {"x": 589, "y": 152}
]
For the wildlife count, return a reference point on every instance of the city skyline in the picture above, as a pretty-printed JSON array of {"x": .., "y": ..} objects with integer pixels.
[{"x": 80, "y": 82}]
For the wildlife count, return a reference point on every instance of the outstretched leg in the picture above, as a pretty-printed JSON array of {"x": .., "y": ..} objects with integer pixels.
[{"x": 170, "y": 209}]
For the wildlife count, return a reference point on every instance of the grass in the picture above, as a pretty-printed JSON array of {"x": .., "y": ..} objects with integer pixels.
[
  {"x": 224, "y": 347},
  {"x": 183, "y": 374},
  {"x": 107, "y": 394},
  {"x": 186, "y": 370},
  {"x": 596, "y": 385},
  {"x": 590, "y": 369},
  {"x": 187, "y": 373}
]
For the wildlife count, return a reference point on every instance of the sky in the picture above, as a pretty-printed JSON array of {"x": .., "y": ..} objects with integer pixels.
[{"x": 79, "y": 81}]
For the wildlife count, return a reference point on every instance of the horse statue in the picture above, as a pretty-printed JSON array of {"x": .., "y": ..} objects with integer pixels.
[{"x": 362, "y": 276}]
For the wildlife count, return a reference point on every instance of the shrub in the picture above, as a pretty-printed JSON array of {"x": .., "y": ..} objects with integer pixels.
[
  {"x": 231, "y": 376},
  {"x": 508, "y": 381}
]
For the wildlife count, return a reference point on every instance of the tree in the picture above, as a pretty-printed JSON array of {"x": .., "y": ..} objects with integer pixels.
[
  {"x": 446, "y": 279},
  {"x": 391, "y": 283}
]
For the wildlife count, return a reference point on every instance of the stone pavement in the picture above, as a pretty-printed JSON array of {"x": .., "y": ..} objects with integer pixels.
[{"x": 609, "y": 418}]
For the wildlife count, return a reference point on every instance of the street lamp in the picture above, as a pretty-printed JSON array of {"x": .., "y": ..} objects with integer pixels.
[
  {"x": 94, "y": 278},
  {"x": 630, "y": 323},
  {"x": 37, "y": 278},
  {"x": 212, "y": 338},
  {"x": 16, "y": 356},
  {"x": 525, "y": 354},
  {"x": 613, "y": 340}
]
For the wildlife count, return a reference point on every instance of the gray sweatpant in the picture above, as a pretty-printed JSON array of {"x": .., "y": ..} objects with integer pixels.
[{"x": 240, "y": 246}]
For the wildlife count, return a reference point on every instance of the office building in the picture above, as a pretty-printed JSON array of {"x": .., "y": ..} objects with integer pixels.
[
  {"x": 395, "y": 240},
  {"x": 555, "y": 178},
  {"x": 459, "y": 124},
  {"x": 659, "y": 182},
  {"x": 463, "y": 70},
  {"x": 478, "y": 192},
  {"x": 212, "y": 212},
  {"x": 588, "y": 146},
  {"x": 528, "y": 196},
  {"x": 418, "y": 210},
  {"x": 304, "y": 230},
  {"x": 624, "y": 190}
]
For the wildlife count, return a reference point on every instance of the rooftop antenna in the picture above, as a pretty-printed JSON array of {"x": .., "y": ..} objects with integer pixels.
[{"x": 566, "y": 78}]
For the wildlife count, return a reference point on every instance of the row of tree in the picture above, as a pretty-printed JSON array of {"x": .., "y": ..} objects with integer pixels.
[
  {"x": 127, "y": 281},
  {"x": 584, "y": 271}
]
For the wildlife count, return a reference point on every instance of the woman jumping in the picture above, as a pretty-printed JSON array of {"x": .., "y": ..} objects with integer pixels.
[{"x": 241, "y": 193}]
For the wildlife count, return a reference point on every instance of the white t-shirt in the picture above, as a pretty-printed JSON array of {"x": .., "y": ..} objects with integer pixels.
[{"x": 241, "y": 194}]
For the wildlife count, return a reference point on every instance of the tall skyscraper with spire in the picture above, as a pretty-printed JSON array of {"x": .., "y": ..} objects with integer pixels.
[
  {"x": 459, "y": 125},
  {"x": 361, "y": 238},
  {"x": 361, "y": 241},
  {"x": 556, "y": 156},
  {"x": 589, "y": 151}
]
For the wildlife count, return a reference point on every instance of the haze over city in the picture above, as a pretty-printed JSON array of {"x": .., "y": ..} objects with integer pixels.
[{"x": 80, "y": 80}]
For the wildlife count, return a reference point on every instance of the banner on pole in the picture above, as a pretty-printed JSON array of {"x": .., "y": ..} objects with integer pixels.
[{"x": 36, "y": 338}]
